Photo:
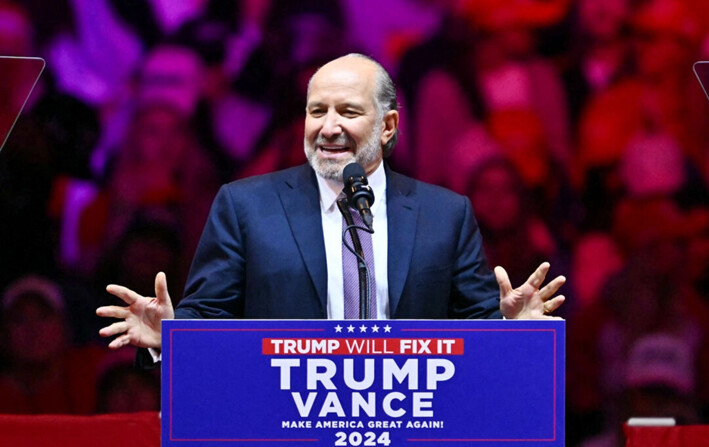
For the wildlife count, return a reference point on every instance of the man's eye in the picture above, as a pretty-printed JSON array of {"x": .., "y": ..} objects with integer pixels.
[
  {"x": 317, "y": 112},
  {"x": 350, "y": 113}
]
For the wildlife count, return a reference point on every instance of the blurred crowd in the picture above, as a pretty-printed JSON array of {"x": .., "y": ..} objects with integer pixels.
[{"x": 576, "y": 128}]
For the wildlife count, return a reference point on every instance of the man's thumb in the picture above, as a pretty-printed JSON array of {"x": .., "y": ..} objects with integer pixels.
[{"x": 161, "y": 288}]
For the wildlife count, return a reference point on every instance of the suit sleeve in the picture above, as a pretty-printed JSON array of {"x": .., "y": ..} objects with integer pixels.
[
  {"x": 475, "y": 292},
  {"x": 215, "y": 284}
]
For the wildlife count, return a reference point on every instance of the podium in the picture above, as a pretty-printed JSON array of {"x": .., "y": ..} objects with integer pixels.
[{"x": 363, "y": 383}]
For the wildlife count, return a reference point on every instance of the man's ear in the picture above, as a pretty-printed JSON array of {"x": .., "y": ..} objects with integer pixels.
[{"x": 391, "y": 123}]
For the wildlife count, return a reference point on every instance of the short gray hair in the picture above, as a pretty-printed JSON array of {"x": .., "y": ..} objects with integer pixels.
[{"x": 384, "y": 97}]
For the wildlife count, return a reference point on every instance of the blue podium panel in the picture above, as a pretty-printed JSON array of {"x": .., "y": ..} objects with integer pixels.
[{"x": 363, "y": 383}]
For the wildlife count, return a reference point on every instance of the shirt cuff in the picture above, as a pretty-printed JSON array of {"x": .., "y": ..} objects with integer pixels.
[{"x": 156, "y": 354}]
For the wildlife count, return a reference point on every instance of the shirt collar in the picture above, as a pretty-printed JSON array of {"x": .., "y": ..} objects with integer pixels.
[{"x": 330, "y": 189}]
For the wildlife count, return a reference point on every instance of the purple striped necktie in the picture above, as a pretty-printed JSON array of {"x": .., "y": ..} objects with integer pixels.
[{"x": 350, "y": 271}]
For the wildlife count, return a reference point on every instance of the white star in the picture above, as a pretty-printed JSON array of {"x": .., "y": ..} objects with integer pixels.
[
  {"x": 363, "y": 328},
  {"x": 375, "y": 328},
  {"x": 338, "y": 328},
  {"x": 350, "y": 328},
  {"x": 387, "y": 328}
]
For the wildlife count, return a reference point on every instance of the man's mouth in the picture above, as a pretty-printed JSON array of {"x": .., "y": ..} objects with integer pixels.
[{"x": 334, "y": 148}]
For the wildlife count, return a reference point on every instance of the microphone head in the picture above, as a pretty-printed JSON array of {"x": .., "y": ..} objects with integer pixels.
[
  {"x": 352, "y": 171},
  {"x": 356, "y": 186}
]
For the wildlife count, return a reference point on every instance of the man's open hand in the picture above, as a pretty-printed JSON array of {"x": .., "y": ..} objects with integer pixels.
[
  {"x": 529, "y": 301},
  {"x": 141, "y": 319}
]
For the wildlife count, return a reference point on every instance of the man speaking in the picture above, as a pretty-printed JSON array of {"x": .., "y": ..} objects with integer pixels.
[{"x": 272, "y": 246}]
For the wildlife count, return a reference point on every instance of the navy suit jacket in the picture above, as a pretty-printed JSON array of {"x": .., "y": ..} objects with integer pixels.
[{"x": 262, "y": 253}]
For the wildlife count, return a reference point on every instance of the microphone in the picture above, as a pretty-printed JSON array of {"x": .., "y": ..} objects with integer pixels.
[{"x": 359, "y": 193}]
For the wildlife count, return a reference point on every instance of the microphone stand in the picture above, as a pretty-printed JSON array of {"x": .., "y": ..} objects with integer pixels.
[{"x": 364, "y": 310}]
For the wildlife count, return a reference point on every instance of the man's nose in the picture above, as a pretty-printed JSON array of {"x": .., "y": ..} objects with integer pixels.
[{"x": 331, "y": 126}]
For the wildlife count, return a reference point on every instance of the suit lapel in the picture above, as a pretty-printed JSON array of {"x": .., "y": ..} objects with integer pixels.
[
  {"x": 301, "y": 201},
  {"x": 402, "y": 213}
]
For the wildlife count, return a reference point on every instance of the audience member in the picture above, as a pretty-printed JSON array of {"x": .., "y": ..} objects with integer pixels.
[
  {"x": 482, "y": 61},
  {"x": 600, "y": 52},
  {"x": 171, "y": 75},
  {"x": 16, "y": 32},
  {"x": 658, "y": 98},
  {"x": 160, "y": 168},
  {"x": 659, "y": 381},
  {"x": 596, "y": 258},
  {"x": 122, "y": 388},
  {"x": 649, "y": 294},
  {"x": 42, "y": 372},
  {"x": 506, "y": 218},
  {"x": 148, "y": 244}
]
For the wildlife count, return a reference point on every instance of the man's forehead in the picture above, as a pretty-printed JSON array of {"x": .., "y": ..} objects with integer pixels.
[
  {"x": 346, "y": 76},
  {"x": 354, "y": 65}
]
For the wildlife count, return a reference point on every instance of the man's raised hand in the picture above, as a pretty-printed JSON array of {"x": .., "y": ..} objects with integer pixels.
[
  {"x": 141, "y": 319},
  {"x": 529, "y": 301}
]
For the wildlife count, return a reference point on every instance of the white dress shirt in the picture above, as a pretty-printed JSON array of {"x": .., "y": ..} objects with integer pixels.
[{"x": 332, "y": 233}]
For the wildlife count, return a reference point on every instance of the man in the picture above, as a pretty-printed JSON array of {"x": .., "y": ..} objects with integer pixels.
[{"x": 271, "y": 246}]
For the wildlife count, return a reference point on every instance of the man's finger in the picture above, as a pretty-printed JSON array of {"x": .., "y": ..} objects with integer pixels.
[
  {"x": 119, "y": 342},
  {"x": 551, "y": 288},
  {"x": 161, "y": 288},
  {"x": 113, "y": 329},
  {"x": 503, "y": 280},
  {"x": 537, "y": 278},
  {"x": 112, "y": 312},
  {"x": 554, "y": 303},
  {"x": 123, "y": 293},
  {"x": 116, "y": 328}
]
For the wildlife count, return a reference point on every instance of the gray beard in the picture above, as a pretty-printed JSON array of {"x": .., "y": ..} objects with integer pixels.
[{"x": 365, "y": 155}]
